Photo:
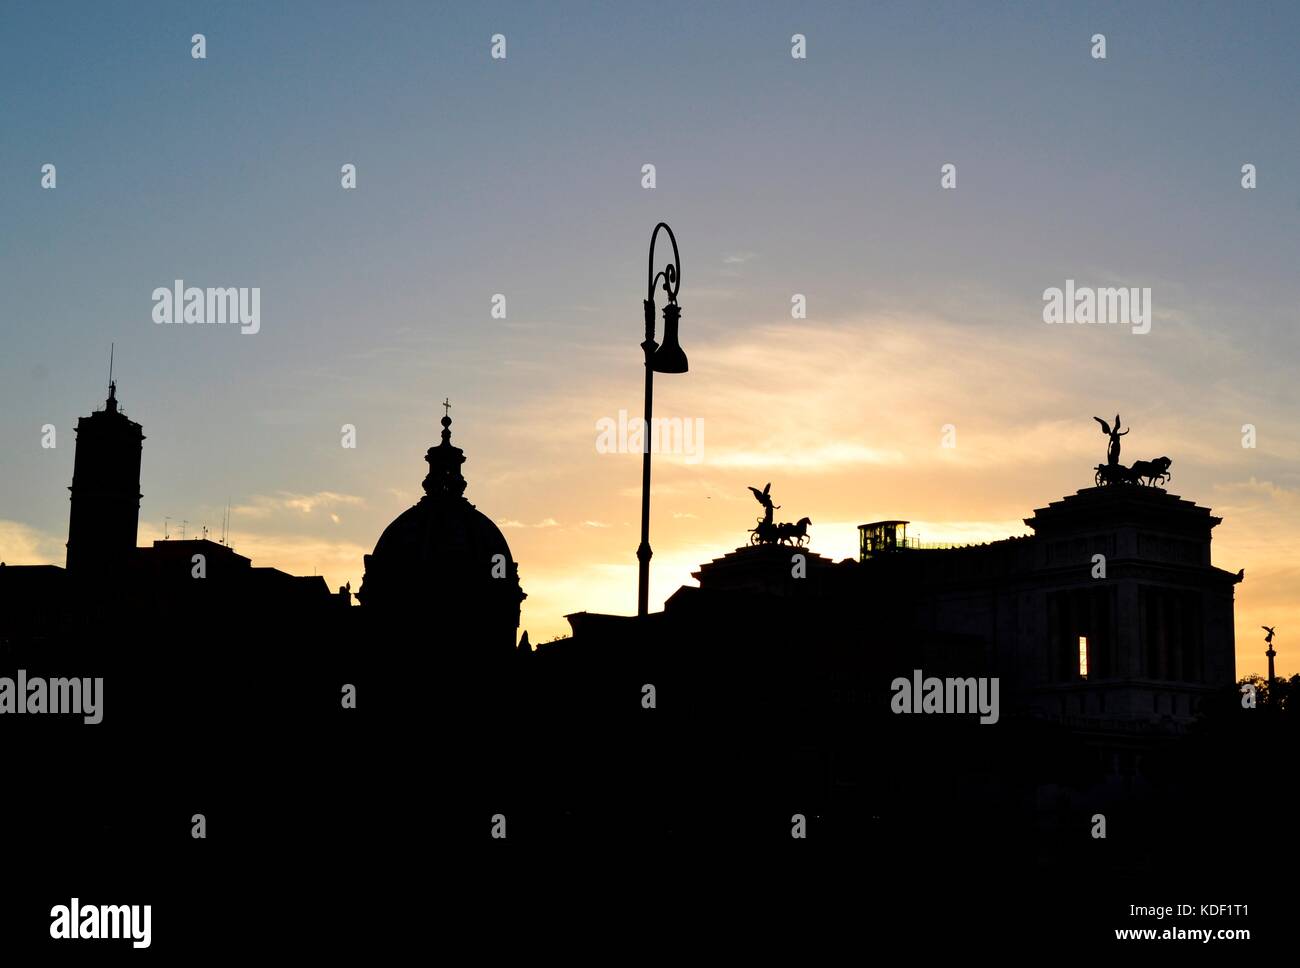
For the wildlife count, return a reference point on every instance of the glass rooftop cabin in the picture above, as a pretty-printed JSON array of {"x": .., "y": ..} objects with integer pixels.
[{"x": 881, "y": 537}]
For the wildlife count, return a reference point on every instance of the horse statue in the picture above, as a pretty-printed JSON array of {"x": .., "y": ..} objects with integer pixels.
[
  {"x": 1153, "y": 471},
  {"x": 794, "y": 534},
  {"x": 766, "y": 532}
]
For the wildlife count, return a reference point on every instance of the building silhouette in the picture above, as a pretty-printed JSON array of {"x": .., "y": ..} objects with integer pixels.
[
  {"x": 703, "y": 728},
  {"x": 1108, "y": 629},
  {"x": 1110, "y": 616},
  {"x": 105, "y": 489},
  {"x": 109, "y": 578},
  {"x": 444, "y": 554}
]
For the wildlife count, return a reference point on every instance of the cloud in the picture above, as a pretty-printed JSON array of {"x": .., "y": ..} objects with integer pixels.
[
  {"x": 263, "y": 506},
  {"x": 845, "y": 415},
  {"x": 21, "y": 544}
]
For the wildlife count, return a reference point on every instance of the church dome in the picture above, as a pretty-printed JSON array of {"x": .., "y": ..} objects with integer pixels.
[
  {"x": 445, "y": 553},
  {"x": 431, "y": 535}
]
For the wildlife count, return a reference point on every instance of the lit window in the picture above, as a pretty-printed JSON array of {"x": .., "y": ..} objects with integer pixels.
[{"x": 1083, "y": 657}]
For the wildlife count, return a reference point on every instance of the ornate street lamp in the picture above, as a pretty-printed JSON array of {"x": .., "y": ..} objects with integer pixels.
[{"x": 667, "y": 358}]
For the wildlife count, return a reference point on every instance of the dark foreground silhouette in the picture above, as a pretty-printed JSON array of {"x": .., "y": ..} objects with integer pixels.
[{"x": 641, "y": 775}]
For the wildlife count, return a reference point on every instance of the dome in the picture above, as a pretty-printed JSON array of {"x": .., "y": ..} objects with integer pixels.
[
  {"x": 440, "y": 536},
  {"x": 444, "y": 553}
]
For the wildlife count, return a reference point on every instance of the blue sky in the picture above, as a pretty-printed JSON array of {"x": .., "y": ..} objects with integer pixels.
[{"x": 523, "y": 177}]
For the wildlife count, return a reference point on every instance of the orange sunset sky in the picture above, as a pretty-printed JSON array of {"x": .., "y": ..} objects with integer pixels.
[{"x": 523, "y": 178}]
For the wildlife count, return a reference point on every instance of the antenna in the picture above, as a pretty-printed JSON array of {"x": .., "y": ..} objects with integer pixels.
[
  {"x": 184, "y": 521},
  {"x": 110, "y": 405},
  {"x": 166, "y": 536}
]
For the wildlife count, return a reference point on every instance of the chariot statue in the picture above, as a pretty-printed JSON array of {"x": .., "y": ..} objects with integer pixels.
[
  {"x": 767, "y": 532},
  {"x": 1152, "y": 472}
]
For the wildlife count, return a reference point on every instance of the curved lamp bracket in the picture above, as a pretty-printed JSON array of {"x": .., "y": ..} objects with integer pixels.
[{"x": 671, "y": 274}]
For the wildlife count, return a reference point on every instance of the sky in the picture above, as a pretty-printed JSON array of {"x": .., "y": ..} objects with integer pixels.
[{"x": 780, "y": 176}]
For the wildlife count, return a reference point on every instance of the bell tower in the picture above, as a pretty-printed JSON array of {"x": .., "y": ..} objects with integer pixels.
[{"x": 105, "y": 489}]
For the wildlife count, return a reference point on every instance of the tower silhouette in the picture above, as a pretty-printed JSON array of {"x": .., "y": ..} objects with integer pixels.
[{"x": 105, "y": 513}]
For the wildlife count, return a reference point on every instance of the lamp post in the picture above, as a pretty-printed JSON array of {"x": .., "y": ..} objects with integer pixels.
[{"x": 667, "y": 358}]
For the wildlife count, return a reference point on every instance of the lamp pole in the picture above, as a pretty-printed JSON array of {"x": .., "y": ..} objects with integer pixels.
[{"x": 666, "y": 359}]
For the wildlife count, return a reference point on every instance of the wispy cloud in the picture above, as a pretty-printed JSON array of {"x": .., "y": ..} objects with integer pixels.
[{"x": 262, "y": 506}]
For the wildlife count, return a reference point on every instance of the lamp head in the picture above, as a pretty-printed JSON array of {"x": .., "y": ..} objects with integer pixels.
[{"x": 669, "y": 357}]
